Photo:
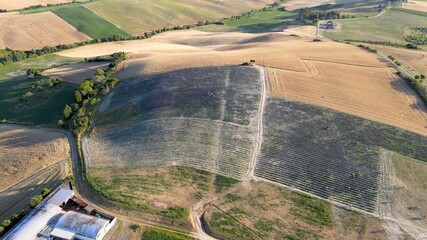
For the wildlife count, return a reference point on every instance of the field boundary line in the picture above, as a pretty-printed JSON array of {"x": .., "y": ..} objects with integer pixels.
[{"x": 258, "y": 139}]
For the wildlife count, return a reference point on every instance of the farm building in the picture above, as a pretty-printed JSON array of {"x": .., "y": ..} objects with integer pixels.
[{"x": 50, "y": 220}]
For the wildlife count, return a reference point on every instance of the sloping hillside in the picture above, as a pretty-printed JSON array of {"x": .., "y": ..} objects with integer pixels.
[
  {"x": 138, "y": 16},
  {"x": 203, "y": 118}
]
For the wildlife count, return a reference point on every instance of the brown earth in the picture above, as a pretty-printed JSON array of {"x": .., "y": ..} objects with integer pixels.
[
  {"x": 335, "y": 75},
  {"x": 25, "y": 151},
  {"x": 34, "y": 31},
  {"x": 415, "y": 5},
  {"x": 19, "y": 4},
  {"x": 77, "y": 72}
]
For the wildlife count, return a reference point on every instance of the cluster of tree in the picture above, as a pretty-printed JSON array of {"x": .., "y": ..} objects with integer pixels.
[
  {"x": 309, "y": 16},
  {"x": 3, "y": 10},
  {"x": 367, "y": 48},
  {"x": 82, "y": 111},
  {"x": 418, "y": 36},
  {"x": 417, "y": 83},
  {"x": 408, "y": 46},
  {"x": 37, "y": 199},
  {"x": 7, "y": 224}
]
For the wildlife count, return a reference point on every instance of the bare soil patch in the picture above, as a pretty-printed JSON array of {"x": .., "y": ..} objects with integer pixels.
[
  {"x": 25, "y": 151},
  {"x": 76, "y": 73},
  {"x": 34, "y": 31}
]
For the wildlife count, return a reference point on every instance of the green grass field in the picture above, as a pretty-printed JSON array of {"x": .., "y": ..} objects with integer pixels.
[
  {"x": 392, "y": 26},
  {"x": 41, "y": 108},
  {"x": 88, "y": 22},
  {"x": 16, "y": 69},
  {"x": 14, "y": 84},
  {"x": 261, "y": 21}
]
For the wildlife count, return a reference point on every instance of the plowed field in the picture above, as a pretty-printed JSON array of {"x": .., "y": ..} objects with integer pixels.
[
  {"x": 339, "y": 76},
  {"x": 15, "y": 5},
  {"x": 25, "y": 151},
  {"x": 33, "y": 31}
]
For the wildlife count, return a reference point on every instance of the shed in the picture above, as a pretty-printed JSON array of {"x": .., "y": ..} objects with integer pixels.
[
  {"x": 33, "y": 223},
  {"x": 84, "y": 225}
]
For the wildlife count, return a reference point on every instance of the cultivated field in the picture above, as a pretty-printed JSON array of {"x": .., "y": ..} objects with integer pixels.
[
  {"x": 136, "y": 17},
  {"x": 342, "y": 6},
  {"x": 79, "y": 17},
  {"x": 415, "y": 5},
  {"x": 360, "y": 90},
  {"x": 33, "y": 31},
  {"x": 392, "y": 26},
  {"x": 203, "y": 118},
  {"x": 325, "y": 73},
  {"x": 77, "y": 72},
  {"x": 15, "y": 5},
  {"x": 25, "y": 151},
  {"x": 327, "y": 153},
  {"x": 413, "y": 60}
]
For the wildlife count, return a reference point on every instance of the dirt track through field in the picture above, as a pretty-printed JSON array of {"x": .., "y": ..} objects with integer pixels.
[{"x": 35, "y": 31}]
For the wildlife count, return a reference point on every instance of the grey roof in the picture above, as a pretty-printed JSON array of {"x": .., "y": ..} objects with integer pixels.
[
  {"x": 33, "y": 223},
  {"x": 61, "y": 196},
  {"x": 78, "y": 223}
]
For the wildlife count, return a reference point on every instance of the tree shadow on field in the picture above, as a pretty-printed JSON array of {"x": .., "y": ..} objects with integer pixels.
[
  {"x": 25, "y": 137},
  {"x": 398, "y": 84}
]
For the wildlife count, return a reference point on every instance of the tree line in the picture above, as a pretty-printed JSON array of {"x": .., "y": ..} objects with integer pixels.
[{"x": 81, "y": 113}]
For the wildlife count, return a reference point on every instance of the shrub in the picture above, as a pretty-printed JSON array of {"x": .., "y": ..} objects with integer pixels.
[
  {"x": 45, "y": 192},
  {"x": 36, "y": 200}
]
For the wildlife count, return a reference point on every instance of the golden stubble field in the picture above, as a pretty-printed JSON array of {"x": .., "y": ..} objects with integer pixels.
[
  {"x": 34, "y": 31},
  {"x": 15, "y": 5},
  {"x": 25, "y": 151},
  {"x": 415, "y": 5},
  {"x": 334, "y": 75}
]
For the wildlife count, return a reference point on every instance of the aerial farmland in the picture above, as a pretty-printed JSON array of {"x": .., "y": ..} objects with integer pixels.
[{"x": 195, "y": 119}]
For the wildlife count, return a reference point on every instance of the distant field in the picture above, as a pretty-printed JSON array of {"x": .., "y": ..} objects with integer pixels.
[
  {"x": 330, "y": 154},
  {"x": 88, "y": 22},
  {"x": 203, "y": 118},
  {"x": 357, "y": 7},
  {"x": 34, "y": 31},
  {"x": 415, "y": 5},
  {"x": 15, "y": 5},
  {"x": 49, "y": 8},
  {"x": 392, "y": 26},
  {"x": 137, "y": 17}
]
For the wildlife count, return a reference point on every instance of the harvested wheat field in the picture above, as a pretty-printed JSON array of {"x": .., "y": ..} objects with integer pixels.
[
  {"x": 33, "y": 31},
  {"x": 335, "y": 75},
  {"x": 77, "y": 72},
  {"x": 25, "y": 151},
  {"x": 15, "y": 5},
  {"x": 413, "y": 60},
  {"x": 415, "y": 5}
]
